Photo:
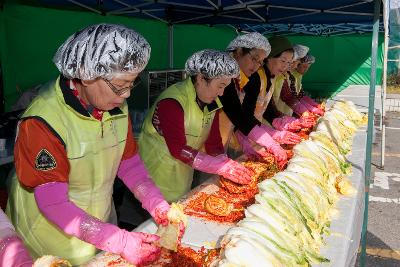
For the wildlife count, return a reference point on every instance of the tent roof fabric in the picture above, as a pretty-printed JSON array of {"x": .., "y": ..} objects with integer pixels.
[{"x": 315, "y": 17}]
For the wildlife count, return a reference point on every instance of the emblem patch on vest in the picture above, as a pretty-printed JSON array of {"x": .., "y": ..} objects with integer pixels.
[{"x": 45, "y": 161}]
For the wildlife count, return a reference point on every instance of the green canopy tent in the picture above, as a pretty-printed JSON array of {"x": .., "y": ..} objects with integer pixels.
[{"x": 338, "y": 33}]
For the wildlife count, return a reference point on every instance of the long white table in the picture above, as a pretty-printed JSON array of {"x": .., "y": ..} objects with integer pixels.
[
  {"x": 341, "y": 245},
  {"x": 343, "y": 242}
]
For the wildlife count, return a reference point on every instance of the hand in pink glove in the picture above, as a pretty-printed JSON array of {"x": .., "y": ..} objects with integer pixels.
[
  {"x": 12, "y": 249},
  {"x": 317, "y": 111},
  {"x": 282, "y": 137},
  {"x": 260, "y": 135},
  {"x": 160, "y": 213},
  {"x": 308, "y": 100},
  {"x": 286, "y": 137},
  {"x": 224, "y": 166},
  {"x": 135, "y": 176},
  {"x": 140, "y": 248},
  {"x": 248, "y": 149},
  {"x": 313, "y": 109},
  {"x": 287, "y": 123},
  {"x": 307, "y": 121},
  {"x": 279, "y": 153},
  {"x": 244, "y": 142},
  {"x": 299, "y": 108},
  {"x": 52, "y": 200},
  {"x": 13, "y": 252}
]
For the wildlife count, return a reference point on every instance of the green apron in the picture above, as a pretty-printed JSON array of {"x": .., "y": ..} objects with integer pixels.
[
  {"x": 298, "y": 78},
  {"x": 263, "y": 97},
  {"x": 94, "y": 150},
  {"x": 171, "y": 175},
  {"x": 280, "y": 105}
]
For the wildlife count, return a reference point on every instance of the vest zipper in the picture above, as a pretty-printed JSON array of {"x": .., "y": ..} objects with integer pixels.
[{"x": 102, "y": 131}]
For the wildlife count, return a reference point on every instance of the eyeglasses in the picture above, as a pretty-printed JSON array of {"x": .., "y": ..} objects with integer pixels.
[
  {"x": 121, "y": 91},
  {"x": 256, "y": 60}
]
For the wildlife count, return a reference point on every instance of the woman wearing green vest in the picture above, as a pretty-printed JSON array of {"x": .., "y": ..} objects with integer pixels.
[
  {"x": 278, "y": 112},
  {"x": 183, "y": 120},
  {"x": 299, "y": 70},
  {"x": 285, "y": 111},
  {"x": 259, "y": 99},
  {"x": 250, "y": 50},
  {"x": 72, "y": 141}
]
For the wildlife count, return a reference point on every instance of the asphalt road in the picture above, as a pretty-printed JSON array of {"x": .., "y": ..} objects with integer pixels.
[{"x": 383, "y": 237}]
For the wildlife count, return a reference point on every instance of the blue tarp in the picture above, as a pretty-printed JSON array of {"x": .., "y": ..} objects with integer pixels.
[{"x": 271, "y": 16}]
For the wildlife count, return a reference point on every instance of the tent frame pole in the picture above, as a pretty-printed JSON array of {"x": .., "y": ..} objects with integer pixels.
[
  {"x": 371, "y": 108},
  {"x": 382, "y": 125}
]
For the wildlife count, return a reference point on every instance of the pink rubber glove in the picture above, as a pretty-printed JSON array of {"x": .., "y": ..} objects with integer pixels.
[
  {"x": 52, "y": 200},
  {"x": 13, "y": 252},
  {"x": 135, "y": 176},
  {"x": 245, "y": 144},
  {"x": 12, "y": 249},
  {"x": 287, "y": 123},
  {"x": 313, "y": 109},
  {"x": 261, "y": 137},
  {"x": 282, "y": 137},
  {"x": 307, "y": 121},
  {"x": 248, "y": 149},
  {"x": 308, "y": 100},
  {"x": 161, "y": 212},
  {"x": 224, "y": 166},
  {"x": 299, "y": 108}
]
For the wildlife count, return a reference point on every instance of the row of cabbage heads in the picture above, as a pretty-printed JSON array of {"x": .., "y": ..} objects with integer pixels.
[{"x": 293, "y": 210}]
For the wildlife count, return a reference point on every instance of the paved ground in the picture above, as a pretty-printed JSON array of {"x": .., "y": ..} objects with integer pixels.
[{"x": 383, "y": 238}]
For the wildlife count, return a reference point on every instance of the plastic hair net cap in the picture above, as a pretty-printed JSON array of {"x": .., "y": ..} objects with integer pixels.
[
  {"x": 102, "y": 50},
  {"x": 299, "y": 51},
  {"x": 250, "y": 40},
  {"x": 308, "y": 59},
  {"x": 212, "y": 64}
]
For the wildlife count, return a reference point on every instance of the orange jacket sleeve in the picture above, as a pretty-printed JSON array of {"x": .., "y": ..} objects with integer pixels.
[
  {"x": 39, "y": 155},
  {"x": 130, "y": 145}
]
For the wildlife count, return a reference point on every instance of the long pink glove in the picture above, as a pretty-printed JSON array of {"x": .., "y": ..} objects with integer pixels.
[
  {"x": 248, "y": 149},
  {"x": 135, "y": 176},
  {"x": 13, "y": 252},
  {"x": 287, "y": 123},
  {"x": 308, "y": 100},
  {"x": 12, "y": 249},
  {"x": 222, "y": 165},
  {"x": 282, "y": 137},
  {"x": 52, "y": 200},
  {"x": 261, "y": 137},
  {"x": 313, "y": 109},
  {"x": 299, "y": 108},
  {"x": 244, "y": 142},
  {"x": 307, "y": 122}
]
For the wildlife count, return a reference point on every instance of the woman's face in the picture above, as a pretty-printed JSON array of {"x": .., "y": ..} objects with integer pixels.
[
  {"x": 250, "y": 62},
  {"x": 294, "y": 64},
  {"x": 108, "y": 94},
  {"x": 281, "y": 64},
  {"x": 302, "y": 68},
  {"x": 208, "y": 90}
]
